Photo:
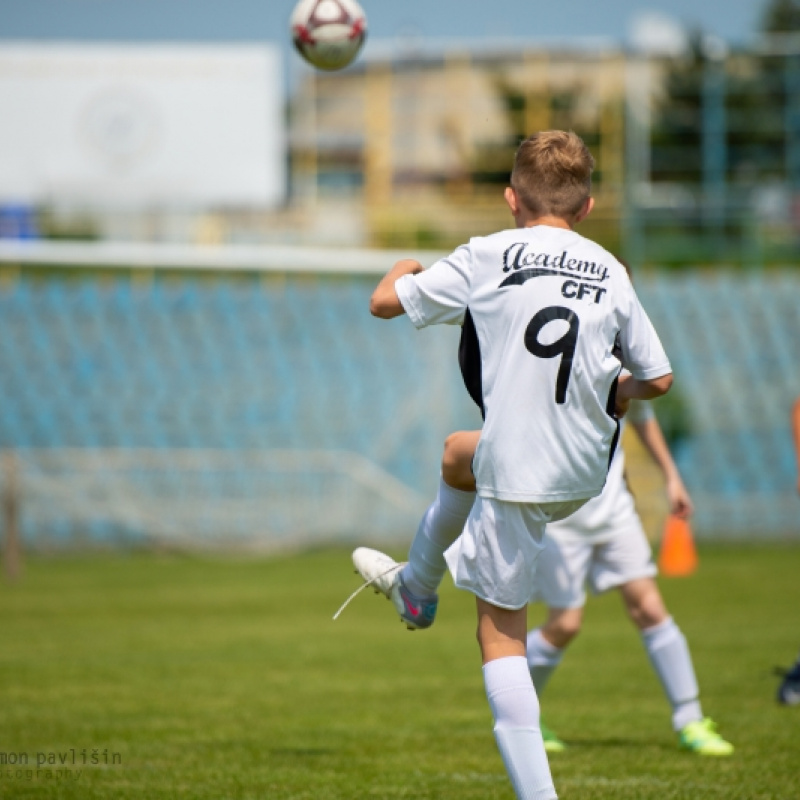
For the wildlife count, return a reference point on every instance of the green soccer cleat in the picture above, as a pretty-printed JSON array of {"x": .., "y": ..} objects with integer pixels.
[
  {"x": 552, "y": 744},
  {"x": 702, "y": 738}
]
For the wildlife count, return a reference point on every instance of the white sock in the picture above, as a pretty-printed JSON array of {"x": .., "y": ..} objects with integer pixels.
[
  {"x": 515, "y": 709},
  {"x": 543, "y": 658},
  {"x": 669, "y": 654},
  {"x": 440, "y": 526}
]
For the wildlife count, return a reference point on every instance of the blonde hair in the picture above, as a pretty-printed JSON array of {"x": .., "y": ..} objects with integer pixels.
[{"x": 552, "y": 173}]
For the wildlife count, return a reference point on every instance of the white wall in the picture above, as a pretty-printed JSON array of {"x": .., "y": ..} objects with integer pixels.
[{"x": 142, "y": 125}]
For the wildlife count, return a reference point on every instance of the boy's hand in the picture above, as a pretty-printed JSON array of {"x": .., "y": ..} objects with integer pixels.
[
  {"x": 407, "y": 266},
  {"x": 621, "y": 407},
  {"x": 630, "y": 388},
  {"x": 621, "y": 400},
  {"x": 384, "y": 302},
  {"x": 680, "y": 503}
]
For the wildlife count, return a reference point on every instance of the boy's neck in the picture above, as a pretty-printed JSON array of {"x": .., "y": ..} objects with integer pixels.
[{"x": 550, "y": 221}]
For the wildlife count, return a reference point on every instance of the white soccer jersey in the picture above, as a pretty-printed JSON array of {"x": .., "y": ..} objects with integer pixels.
[
  {"x": 547, "y": 317},
  {"x": 614, "y": 509}
]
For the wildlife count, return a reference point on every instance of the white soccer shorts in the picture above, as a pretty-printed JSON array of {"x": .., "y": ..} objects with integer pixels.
[
  {"x": 567, "y": 567},
  {"x": 495, "y": 556}
]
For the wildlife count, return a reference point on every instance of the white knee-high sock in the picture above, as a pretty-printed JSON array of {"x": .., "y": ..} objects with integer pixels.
[
  {"x": 543, "y": 658},
  {"x": 440, "y": 526},
  {"x": 515, "y": 708},
  {"x": 669, "y": 654}
]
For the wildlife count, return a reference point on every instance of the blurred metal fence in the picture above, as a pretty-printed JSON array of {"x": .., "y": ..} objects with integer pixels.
[
  {"x": 267, "y": 409},
  {"x": 259, "y": 409},
  {"x": 733, "y": 339}
]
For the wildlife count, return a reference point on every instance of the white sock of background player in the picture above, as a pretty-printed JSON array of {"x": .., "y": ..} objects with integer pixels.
[
  {"x": 543, "y": 658},
  {"x": 669, "y": 654}
]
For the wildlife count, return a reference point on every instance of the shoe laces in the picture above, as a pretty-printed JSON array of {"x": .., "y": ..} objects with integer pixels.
[{"x": 364, "y": 586}]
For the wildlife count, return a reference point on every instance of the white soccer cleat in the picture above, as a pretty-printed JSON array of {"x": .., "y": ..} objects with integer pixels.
[{"x": 383, "y": 573}]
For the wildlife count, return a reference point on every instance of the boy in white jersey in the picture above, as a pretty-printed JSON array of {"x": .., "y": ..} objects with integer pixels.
[
  {"x": 604, "y": 545},
  {"x": 548, "y": 320}
]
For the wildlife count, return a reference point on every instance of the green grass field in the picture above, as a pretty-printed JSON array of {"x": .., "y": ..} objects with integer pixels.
[{"x": 227, "y": 678}]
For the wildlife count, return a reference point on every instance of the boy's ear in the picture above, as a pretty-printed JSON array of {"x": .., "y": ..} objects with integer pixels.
[
  {"x": 512, "y": 201},
  {"x": 586, "y": 210}
]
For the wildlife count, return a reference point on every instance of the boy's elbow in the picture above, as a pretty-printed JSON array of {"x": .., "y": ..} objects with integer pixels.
[
  {"x": 385, "y": 305},
  {"x": 662, "y": 385},
  {"x": 378, "y": 308}
]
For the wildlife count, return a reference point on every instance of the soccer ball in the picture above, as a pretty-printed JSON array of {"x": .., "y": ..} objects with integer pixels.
[{"x": 328, "y": 33}]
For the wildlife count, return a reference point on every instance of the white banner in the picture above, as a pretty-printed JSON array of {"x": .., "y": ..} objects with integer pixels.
[{"x": 142, "y": 125}]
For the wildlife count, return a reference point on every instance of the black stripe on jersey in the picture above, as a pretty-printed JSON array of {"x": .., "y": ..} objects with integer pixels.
[
  {"x": 614, "y": 443},
  {"x": 611, "y": 410},
  {"x": 611, "y": 405},
  {"x": 469, "y": 359}
]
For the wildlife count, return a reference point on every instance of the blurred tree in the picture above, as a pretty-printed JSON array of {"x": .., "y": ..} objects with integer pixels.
[
  {"x": 491, "y": 160},
  {"x": 676, "y": 138},
  {"x": 724, "y": 126},
  {"x": 781, "y": 16},
  {"x": 755, "y": 100},
  {"x": 721, "y": 121},
  {"x": 766, "y": 95}
]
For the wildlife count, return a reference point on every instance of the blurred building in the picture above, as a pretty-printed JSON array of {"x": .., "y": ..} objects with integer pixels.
[
  {"x": 426, "y": 140},
  {"x": 108, "y": 132},
  {"x": 697, "y": 148}
]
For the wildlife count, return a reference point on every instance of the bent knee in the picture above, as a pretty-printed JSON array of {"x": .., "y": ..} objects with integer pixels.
[
  {"x": 459, "y": 450},
  {"x": 562, "y": 630},
  {"x": 648, "y": 611}
]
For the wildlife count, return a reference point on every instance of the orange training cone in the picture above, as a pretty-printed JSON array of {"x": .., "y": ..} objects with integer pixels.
[{"x": 678, "y": 555}]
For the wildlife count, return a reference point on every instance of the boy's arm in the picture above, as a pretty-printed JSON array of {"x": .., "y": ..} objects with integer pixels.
[
  {"x": 796, "y": 436},
  {"x": 630, "y": 388},
  {"x": 384, "y": 302},
  {"x": 651, "y": 436},
  {"x": 640, "y": 350}
]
